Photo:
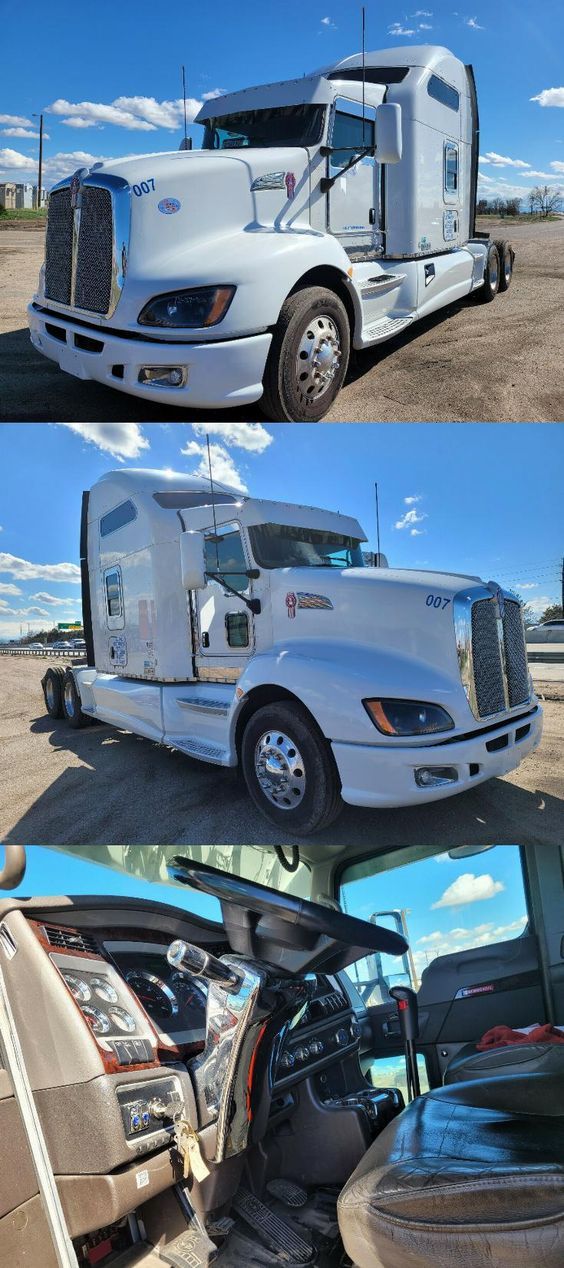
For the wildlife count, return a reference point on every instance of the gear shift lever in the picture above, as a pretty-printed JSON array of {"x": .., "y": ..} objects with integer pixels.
[{"x": 406, "y": 1000}]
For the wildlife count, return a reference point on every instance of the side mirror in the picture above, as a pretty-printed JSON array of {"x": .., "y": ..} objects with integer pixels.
[
  {"x": 192, "y": 560},
  {"x": 186, "y": 143},
  {"x": 388, "y": 132}
]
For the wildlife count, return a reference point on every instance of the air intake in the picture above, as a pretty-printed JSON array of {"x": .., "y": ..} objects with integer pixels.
[{"x": 70, "y": 940}]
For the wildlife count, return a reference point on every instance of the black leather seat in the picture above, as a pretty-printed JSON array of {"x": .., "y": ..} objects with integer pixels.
[
  {"x": 526, "y": 1058},
  {"x": 470, "y": 1175}
]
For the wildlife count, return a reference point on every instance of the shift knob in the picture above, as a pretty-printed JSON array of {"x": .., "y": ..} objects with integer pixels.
[
  {"x": 187, "y": 958},
  {"x": 408, "y": 1012}
]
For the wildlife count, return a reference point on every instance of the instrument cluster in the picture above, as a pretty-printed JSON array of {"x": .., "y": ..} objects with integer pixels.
[{"x": 175, "y": 1002}]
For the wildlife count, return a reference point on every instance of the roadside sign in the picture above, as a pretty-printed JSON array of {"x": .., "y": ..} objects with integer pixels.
[{"x": 69, "y": 625}]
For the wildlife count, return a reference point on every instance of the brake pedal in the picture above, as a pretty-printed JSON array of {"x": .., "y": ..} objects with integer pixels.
[
  {"x": 287, "y": 1192},
  {"x": 274, "y": 1232}
]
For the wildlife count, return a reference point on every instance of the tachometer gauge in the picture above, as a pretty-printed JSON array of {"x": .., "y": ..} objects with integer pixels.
[
  {"x": 154, "y": 994},
  {"x": 192, "y": 995},
  {"x": 122, "y": 1019},
  {"x": 104, "y": 989},
  {"x": 96, "y": 1019},
  {"x": 78, "y": 988}
]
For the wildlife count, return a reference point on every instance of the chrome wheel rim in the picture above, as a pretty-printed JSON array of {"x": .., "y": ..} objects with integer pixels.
[
  {"x": 318, "y": 357},
  {"x": 494, "y": 271},
  {"x": 69, "y": 700},
  {"x": 280, "y": 770},
  {"x": 50, "y": 693},
  {"x": 507, "y": 267}
]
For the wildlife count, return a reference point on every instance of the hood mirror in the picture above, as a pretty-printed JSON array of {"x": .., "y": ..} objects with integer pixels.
[{"x": 186, "y": 143}]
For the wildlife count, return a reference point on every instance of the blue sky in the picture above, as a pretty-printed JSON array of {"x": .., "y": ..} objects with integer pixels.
[
  {"x": 111, "y": 86},
  {"x": 470, "y": 497}
]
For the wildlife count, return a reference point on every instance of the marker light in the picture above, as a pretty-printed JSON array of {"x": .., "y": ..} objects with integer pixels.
[
  {"x": 193, "y": 309},
  {"x": 408, "y": 717}
]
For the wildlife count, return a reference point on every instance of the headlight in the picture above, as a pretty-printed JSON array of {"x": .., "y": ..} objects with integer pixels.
[
  {"x": 408, "y": 717},
  {"x": 205, "y": 306}
]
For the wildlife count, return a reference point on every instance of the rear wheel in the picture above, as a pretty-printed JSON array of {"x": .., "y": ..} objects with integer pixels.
[
  {"x": 308, "y": 357},
  {"x": 72, "y": 710},
  {"x": 506, "y": 257},
  {"x": 52, "y": 683},
  {"x": 489, "y": 290},
  {"x": 289, "y": 769}
]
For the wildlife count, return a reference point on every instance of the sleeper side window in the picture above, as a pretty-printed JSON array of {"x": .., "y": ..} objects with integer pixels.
[
  {"x": 117, "y": 518},
  {"x": 451, "y": 168},
  {"x": 113, "y": 593},
  {"x": 225, "y": 554}
]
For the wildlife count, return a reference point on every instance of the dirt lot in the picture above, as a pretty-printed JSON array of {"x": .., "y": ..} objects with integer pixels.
[
  {"x": 499, "y": 362},
  {"x": 102, "y": 786}
]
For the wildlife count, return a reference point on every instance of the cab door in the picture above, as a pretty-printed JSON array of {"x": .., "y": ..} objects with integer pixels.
[
  {"x": 224, "y": 624},
  {"x": 353, "y": 202}
]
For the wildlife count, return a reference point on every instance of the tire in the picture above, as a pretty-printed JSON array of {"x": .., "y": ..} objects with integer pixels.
[
  {"x": 506, "y": 257},
  {"x": 52, "y": 684},
  {"x": 313, "y": 318},
  {"x": 316, "y": 777},
  {"x": 488, "y": 291},
  {"x": 72, "y": 711}
]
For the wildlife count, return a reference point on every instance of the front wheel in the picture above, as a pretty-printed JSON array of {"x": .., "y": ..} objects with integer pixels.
[
  {"x": 308, "y": 357},
  {"x": 289, "y": 769},
  {"x": 489, "y": 290},
  {"x": 72, "y": 709}
]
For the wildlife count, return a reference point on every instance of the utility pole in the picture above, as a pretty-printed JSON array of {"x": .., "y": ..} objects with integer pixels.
[
  {"x": 40, "y": 164},
  {"x": 377, "y": 519},
  {"x": 562, "y": 581}
]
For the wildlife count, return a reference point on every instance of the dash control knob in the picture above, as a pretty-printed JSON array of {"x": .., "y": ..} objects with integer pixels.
[
  {"x": 301, "y": 1054},
  {"x": 342, "y": 1037},
  {"x": 316, "y": 1048},
  {"x": 287, "y": 1060}
]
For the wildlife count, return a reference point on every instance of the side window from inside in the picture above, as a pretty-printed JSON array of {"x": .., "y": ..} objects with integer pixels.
[
  {"x": 350, "y": 136},
  {"x": 225, "y": 555},
  {"x": 114, "y": 597},
  {"x": 444, "y": 904},
  {"x": 451, "y": 168}
]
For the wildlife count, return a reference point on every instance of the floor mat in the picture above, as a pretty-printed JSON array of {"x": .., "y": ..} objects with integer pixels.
[{"x": 314, "y": 1223}]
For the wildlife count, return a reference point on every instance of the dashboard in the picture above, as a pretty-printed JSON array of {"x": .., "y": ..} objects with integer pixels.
[{"x": 174, "y": 1002}]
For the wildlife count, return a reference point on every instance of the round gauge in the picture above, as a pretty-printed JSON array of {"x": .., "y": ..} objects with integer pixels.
[
  {"x": 123, "y": 1020},
  {"x": 104, "y": 989},
  {"x": 154, "y": 994},
  {"x": 78, "y": 988},
  {"x": 96, "y": 1019},
  {"x": 192, "y": 995}
]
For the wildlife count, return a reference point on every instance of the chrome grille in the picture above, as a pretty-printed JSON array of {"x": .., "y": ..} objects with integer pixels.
[
  {"x": 94, "y": 263},
  {"x": 486, "y": 659},
  {"x": 515, "y": 654},
  {"x": 58, "y": 250}
]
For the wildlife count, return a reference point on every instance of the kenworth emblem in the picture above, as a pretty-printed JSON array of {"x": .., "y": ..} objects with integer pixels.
[
  {"x": 291, "y": 602},
  {"x": 290, "y": 184},
  {"x": 75, "y": 190},
  {"x": 498, "y": 594}
]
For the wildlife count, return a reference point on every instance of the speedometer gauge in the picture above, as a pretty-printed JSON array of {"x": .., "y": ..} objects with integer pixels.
[
  {"x": 156, "y": 997},
  {"x": 193, "y": 996}
]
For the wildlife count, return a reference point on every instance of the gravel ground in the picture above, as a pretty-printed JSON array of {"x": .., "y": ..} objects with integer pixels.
[
  {"x": 498, "y": 362},
  {"x": 103, "y": 786}
]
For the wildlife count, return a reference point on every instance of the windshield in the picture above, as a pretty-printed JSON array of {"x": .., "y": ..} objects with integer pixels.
[
  {"x": 286, "y": 546},
  {"x": 280, "y": 125}
]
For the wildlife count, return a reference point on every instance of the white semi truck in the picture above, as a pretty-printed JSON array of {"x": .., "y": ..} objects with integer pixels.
[
  {"x": 249, "y": 632},
  {"x": 321, "y": 214}
]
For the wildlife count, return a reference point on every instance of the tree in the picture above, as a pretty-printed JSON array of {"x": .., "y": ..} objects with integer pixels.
[
  {"x": 482, "y": 207},
  {"x": 512, "y": 206},
  {"x": 545, "y": 199},
  {"x": 552, "y": 613}
]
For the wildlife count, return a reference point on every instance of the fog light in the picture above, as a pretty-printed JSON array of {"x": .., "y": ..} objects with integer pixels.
[
  {"x": 164, "y": 376},
  {"x": 434, "y": 776}
]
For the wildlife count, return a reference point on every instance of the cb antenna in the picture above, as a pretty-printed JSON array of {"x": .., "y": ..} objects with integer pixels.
[
  {"x": 213, "y": 502},
  {"x": 363, "y": 75},
  {"x": 377, "y": 519},
  {"x": 184, "y": 100}
]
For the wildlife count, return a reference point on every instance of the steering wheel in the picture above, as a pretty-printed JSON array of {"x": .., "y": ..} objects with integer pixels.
[{"x": 264, "y": 901}]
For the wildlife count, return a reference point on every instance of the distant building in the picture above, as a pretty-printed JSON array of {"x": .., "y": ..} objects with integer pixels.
[
  {"x": 8, "y": 196},
  {"x": 43, "y": 202},
  {"x": 24, "y": 197}
]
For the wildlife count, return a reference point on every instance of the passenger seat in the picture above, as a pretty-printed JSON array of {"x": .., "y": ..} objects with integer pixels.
[{"x": 523, "y": 1058}]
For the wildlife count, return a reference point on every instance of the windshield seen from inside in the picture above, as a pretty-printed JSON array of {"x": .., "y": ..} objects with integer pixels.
[
  {"x": 287, "y": 546},
  {"x": 263, "y": 129}
]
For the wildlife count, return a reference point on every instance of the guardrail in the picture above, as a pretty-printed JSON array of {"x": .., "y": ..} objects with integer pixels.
[{"x": 53, "y": 653}]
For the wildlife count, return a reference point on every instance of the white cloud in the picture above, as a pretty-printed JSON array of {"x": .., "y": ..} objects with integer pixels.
[
  {"x": 24, "y": 132},
  {"x": 136, "y": 114},
  {"x": 454, "y": 941},
  {"x": 538, "y": 602},
  {"x": 23, "y": 570},
  {"x": 213, "y": 94},
  {"x": 557, "y": 166},
  {"x": 422, "y": 13},
  {"x": 251, "y": 436},
  {"x": 222, "y": 464},
  {"x": 55, "y": 167},
  {"x": 23, "y": 612},
  {"x": 499, "y": 160},
  {"x": 416, "y": 532},
  {"x": 550, "y": 97},
  {"x": 469, "y": 888},
  {"x": 474, "y": 24},
  {"x": 6, "y": 587},
  {"x": 410, "y": 501},
  {"x": 424, "y": 26},
  {"x": 410, "y": 519},
  {"x": 16, "y": 120},
  {"x": 44, "y": 597},
  {"x": 529, "y": 585},
  {"x": 11, "y": 160},
  {"x": 397, "y": 29},
  {"x": 121, "y": 440}
]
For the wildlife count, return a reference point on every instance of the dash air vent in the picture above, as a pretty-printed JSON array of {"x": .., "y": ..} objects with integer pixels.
[{"x": 70, "y": 940}]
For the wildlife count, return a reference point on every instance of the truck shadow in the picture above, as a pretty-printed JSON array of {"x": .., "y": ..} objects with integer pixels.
[{"x": 122, "y": 789}]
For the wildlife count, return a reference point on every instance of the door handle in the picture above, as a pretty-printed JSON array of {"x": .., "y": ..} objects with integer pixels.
[
  {"x": 372, "y": 216},
  {"x": 205, "y": 639}
]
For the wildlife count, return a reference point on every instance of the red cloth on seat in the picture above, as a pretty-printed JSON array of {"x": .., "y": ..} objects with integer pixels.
[{"x": 503, "y": 1036}]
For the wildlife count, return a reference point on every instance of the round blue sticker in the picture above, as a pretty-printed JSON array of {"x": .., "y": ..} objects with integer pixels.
[{"x": 169, "y": 206}]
